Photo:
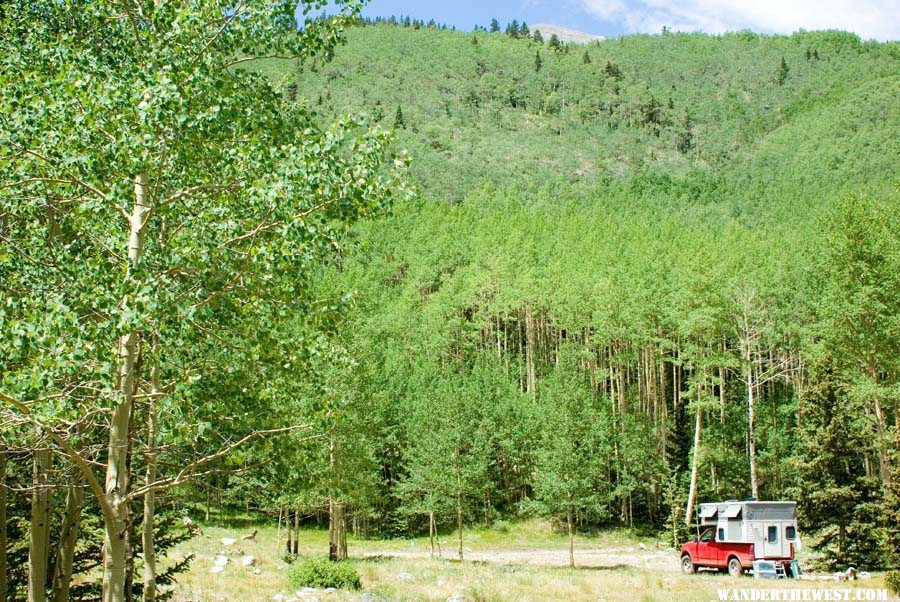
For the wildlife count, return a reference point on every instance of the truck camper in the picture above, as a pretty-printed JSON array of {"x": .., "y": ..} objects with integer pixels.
[{"x": 735, "y": 534}]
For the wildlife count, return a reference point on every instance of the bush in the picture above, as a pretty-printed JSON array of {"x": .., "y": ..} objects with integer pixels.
[
  {"x": 501, "y": 526},
  {"x": 322, "y": 573},
  {"x": 892, "y": 580}
]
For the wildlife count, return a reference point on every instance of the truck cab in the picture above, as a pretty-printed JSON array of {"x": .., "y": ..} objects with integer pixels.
[{"x": 709, "y": 552}]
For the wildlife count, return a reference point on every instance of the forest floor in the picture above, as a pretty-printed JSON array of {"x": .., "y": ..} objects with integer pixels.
[{"x": 526, "y": 562}]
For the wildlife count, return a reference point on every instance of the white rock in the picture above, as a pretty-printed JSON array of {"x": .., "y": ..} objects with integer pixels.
[
  {"x": 217, "y": 569},
  {"x": 248, "y": 561},
  {"x": 227, "y": 541},
  {"x": 221, "y": 561}
]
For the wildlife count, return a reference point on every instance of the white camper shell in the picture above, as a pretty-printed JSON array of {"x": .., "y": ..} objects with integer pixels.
[{"x": 770, "y": 526}]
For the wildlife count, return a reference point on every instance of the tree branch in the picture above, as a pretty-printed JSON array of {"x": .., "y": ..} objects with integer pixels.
[
  {"x": 70, "y": 451},
  {"x": 189, "y": 471}
]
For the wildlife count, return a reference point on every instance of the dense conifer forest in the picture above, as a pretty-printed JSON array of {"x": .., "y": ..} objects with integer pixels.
[{"x": 428, "y": 279}]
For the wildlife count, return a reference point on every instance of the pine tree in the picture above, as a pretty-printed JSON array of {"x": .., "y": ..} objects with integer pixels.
[
  {"x": 538, "y": 37},
  {"x": 782, "y": 73},
  {"x": 399, "y": 122},
  {"x": 524, "y": 32},
  {"x": 586, "y": 59},
  {"x": 555, "y": 43},
  {"x": 538, "y": 62},
  {"x": 494, "y": 26},
  {"x": 612, "y": 70}
]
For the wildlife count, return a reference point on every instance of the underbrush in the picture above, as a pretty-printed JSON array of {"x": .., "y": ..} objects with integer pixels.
[{"x": 321, "y": 573}]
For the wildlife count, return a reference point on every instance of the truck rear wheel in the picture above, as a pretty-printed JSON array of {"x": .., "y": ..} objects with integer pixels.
[
  {"x": 734, "y": 567},
  {"x": 687, "y": 565}
]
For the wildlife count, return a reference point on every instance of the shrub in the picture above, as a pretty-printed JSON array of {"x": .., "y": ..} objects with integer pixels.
[
  {"x": 501, "y": 525},
  {"x": 892, "y": 580},
  {"x": 322, "y": 573}
]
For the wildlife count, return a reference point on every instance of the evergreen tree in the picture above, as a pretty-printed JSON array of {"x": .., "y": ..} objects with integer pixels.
[
  {"x": 538, "y": 37},
  {"x": 494, "y": 26},
  {"x": 399, "y": 121},
  {"x": 524, "y": 32},
  {"x": 586, "y": 58},
  {"x": 838, "y": 502},
  {"x": 612, "y": 70},
  {"x": 555, "y": 44},
  {"x": 538, "y": 62},
  {"x": 782, "y": 72}
]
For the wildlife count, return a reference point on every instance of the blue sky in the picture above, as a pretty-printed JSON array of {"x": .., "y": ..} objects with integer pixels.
[{"x": 878, "y": 19}]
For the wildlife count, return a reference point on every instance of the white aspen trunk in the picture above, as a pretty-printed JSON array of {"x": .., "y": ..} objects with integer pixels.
[
  {"x": 751, "y": 428},
  {"x": 337, "y": 532},
  {"x": 3, "y": 469},
  {"x": 297, "y": 518},
  {"x": 571, "y": 527},
  {"x": 39, "y": 541},
  {"x": 65, "y": 558},
  {"x": 117, "y": 473},
  {"x": 289, "y": 548},
  {"x": 530, "y": 345},
  {"x": 431, "y": 532},
  {"x": 695, "y": 462},
  {"x": 278, "y": 539},
  {"x": 459, "y": 508},
  {"x": 147, "y": 542},
  {"x": 884, "y": 462}
]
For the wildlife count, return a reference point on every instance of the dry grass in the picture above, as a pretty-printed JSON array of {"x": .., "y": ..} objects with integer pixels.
[{"x": 523, "y": 564}]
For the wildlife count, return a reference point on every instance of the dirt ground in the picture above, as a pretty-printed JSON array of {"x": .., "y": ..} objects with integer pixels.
[{"x": 527, "y": 564}]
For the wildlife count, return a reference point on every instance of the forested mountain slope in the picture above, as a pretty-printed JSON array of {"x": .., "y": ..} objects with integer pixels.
[
  {"x": 480, "y": 108},
  {"x": 639, "y": 274}
]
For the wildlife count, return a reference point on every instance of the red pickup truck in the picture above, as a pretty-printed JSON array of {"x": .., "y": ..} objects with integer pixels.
[{"x": 705, "y": 551}]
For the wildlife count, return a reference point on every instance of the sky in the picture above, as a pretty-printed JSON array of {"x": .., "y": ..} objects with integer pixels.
[{"x": 870, "y": 19}]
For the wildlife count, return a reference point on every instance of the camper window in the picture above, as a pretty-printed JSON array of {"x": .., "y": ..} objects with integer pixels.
[
  {"x": 790, "y": 532},
  {"x": 721, "y": 536},
  {"x": 773, "y": 534}
]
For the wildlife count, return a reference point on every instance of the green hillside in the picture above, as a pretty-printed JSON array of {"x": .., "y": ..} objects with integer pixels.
[{"x": 476, "y": 109}]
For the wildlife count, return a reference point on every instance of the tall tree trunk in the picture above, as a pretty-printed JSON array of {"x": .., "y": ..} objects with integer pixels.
[
  {"x": 40, "y": 527},
  {"x": 117, "y": 474},
  {"x": 337, "y": 549},
  {"x": 289, "y": 531},
  {"x": 695, "y": 463},
  {"x": 150, "y": 497},
  {"x": 530, "y": 345},
  {"x": 884, "y": 463},
  {"x": 62, "y": 577},
  {"x": 571, "y": 526},
  {"x": 751, "y": 427},
  {"x": 431, "y": 532},
  {"x": 296, "y": 548},
  {"x": 459, "y": 508},
  {"x": 3, "y": 469}
]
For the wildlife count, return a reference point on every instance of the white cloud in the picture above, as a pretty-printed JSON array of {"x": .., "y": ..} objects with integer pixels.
[{"x": 879, "y": 19}]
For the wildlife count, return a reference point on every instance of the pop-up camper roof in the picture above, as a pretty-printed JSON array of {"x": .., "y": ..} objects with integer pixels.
[{"x": 748, "y": 511}]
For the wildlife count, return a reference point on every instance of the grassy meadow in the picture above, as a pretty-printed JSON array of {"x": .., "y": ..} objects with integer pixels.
[{"x": 524, "y": 562}]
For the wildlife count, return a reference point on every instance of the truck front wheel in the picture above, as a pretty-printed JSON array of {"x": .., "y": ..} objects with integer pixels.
[
  {"x": 734, "y": 567},
  {"x": 687, "y": 565}
]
